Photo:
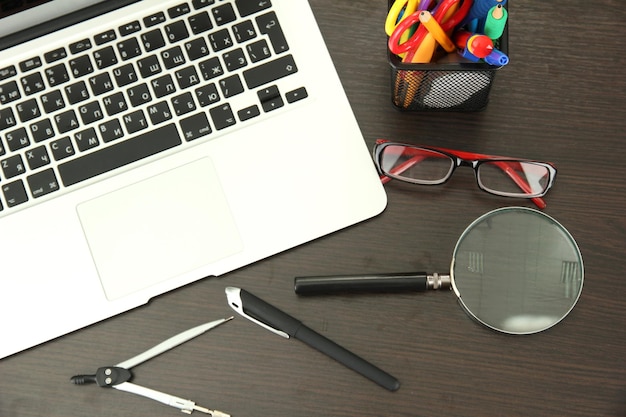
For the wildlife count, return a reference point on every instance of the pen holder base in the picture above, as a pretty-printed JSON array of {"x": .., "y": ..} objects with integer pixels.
[{"x": 449, "y": 83}]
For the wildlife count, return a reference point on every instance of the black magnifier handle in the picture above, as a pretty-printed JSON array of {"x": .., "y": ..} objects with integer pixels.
[{"x": 389, "y": 282}]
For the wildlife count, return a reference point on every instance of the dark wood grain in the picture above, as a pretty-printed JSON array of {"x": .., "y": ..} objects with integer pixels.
[{"x": 563, "y": 99}]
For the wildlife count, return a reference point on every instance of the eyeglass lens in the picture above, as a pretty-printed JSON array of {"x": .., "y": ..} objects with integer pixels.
[{"x": 503, "y": 177}]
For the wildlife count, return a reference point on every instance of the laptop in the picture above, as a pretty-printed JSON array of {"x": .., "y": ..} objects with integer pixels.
[{"x": 148, "y": 144}]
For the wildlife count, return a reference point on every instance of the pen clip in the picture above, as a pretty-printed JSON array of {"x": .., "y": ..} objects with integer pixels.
[{"x": 233, "y": 295}]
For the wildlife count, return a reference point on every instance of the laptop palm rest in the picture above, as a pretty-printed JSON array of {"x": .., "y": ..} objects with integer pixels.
[{"x": 153, "y": 230}]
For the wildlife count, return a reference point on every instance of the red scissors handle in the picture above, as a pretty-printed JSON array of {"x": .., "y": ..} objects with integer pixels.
[{"x": 414, "y": 41}]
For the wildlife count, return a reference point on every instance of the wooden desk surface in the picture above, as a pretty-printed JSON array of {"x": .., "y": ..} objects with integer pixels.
[{"x": 562, "y": 99}]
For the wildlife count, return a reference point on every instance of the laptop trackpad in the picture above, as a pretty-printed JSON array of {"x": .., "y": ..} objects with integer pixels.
[{"x": 159, "y": 228}]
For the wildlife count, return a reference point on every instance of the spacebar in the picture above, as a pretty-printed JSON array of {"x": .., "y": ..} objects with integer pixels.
[{"x": 118, "y": 155}]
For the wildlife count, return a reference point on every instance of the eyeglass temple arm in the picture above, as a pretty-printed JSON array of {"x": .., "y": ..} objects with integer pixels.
[{"x": 504, "y": 166}]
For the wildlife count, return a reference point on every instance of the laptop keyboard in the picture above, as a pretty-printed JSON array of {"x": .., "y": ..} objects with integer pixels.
[{"x": 118, "y": 96}]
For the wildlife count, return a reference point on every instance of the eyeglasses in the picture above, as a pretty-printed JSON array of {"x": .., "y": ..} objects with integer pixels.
[{"x": 509, "y": 177}]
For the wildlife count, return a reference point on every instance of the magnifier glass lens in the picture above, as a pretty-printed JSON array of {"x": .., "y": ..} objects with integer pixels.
[{"x": 517, "y": 270}]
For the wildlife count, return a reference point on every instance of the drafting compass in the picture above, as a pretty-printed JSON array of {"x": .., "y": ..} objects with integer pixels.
[{"x": 118, "y": 376}]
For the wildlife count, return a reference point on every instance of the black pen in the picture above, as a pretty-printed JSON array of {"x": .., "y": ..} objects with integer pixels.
[{"x": 281, "y": 323}]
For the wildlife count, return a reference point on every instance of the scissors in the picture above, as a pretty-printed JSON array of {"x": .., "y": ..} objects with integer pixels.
[
  {"x": 118, "y": 376},
  {"x": 421, "y": 45},
  {"x": 400, "y": 10}
]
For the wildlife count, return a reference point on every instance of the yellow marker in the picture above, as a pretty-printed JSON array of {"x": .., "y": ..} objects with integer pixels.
[{"x": 434, "y": 28}]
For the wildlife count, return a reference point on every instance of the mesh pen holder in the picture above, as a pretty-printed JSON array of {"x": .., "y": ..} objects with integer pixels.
[{"x": 449, "y": 86}]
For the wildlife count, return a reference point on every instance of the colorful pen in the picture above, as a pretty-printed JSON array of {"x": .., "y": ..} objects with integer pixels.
[
  {"x": 495, "y": 22},
  {"x": 497, "y": 58},
  {"x": 429, "y": 22},
  {"x": 478, "y": 13},
  {"x": 473, "y": 44}
]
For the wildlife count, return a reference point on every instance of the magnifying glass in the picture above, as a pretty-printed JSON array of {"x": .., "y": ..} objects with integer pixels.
[{"x": 515, "y": 270}]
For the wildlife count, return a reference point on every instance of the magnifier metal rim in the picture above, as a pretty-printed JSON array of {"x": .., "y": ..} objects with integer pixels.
[{"x": 492, "y": 214}]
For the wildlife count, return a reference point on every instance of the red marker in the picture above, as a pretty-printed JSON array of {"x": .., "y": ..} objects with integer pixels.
[{"x": 478, "y": 45}]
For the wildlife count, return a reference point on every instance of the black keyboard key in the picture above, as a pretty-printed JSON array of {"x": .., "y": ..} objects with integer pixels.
[
  {"x": 159, "y": 112},
  {"x": 231, "y": 86},
  {"x": 135, "y": 121},
  {"x": 270, "y": 71},
  {"x": 77, "y": 92},
  {"x": 268, "y": 25},
  {"x": 187, "y": 77},
  {"x": 200, "y": 22},
  {"x": 7, "y": 118},
  {"x": 149, "y": 66},
  {"x": 244, "y": 31},
  {"x": 129, "y": 28},
  {"x": 43, "y": 183},
  {"x": 7, "y": 72},
  {"x": 12, "y": 166},
  {"x": 248, "y": 113},
  {"x": 86, "y": 139},
  {"x": 247, "y": 7},
  {"x": 176, "y": 31},
  {"x": 14, "y": 193},
  {"x": 115, "y": 103},
  {"x": 152, "y": 40},
  {"x": 30, "y": 64},
  {"x": 55, "y": 55},
  {"x": 41, "y": 130},
  {"x": 270, "y": 98},
  {"x": 139, "y": 94},
  {"x": 37, "y": 157},
  {"x": 2, "y": 150},
  {"x": 258, "y": 51},
  {"x": 80, "y": 46},
  {"x": 9, "y": 92},
  {"x": 81, "y": 66},
  {"x": 163, "y": 86},
  {"x": 183, "y": 104},
  {"x": 176, "y": 11},
  {"x": 173, "y": 57},
  {"x": 119, "y": 154},
  {"x": 222, "y": 116},
  {"x": 104, "y": 37},
  {"x": 17, "y": 139},
  {"x": 111, "y": 130},
  {"x": 101, "y": 83},
  {"x": 28, "y": 110},
  {"x": 223, "y": 14},
  {"x": 125, "y": 75},
  {"x": 207, "y": 94},
  {"x": 57, "y": 75},
  {"x": 105, "y": 57},
  {"x": 220, "y": 40},
  {"x": 234, "y": 59},
  {"x": 90, "y": 112},
  {"x": 129, "y": 48},
  {"x": 196, "y": 48},
  {"x": 52, "y": 101},
  {"x": 198, "y": 4},
  {"x": 66, "y": 121},
  {"x": 154, "y": 19},
  {"x": 32, "y": 83},
  {"x": 195, "y": 126},
  {"x": 62, "y": 148},
  {"x": 211, "y": 68}
]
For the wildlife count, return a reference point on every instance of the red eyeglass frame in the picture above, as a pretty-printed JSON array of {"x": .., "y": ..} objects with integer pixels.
[{"x": 501, "y": 162}]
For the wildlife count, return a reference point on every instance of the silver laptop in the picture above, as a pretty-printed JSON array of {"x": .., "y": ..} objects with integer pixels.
[{"x": 148, "y": 144}]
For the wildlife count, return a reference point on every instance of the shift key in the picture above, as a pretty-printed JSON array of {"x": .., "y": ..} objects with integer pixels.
[{"x": 270, "y": 71}]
